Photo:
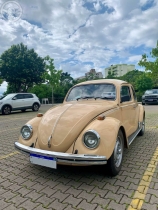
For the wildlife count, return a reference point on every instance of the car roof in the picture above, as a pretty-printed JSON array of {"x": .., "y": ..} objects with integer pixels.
[{"x": 99, "y": 81}]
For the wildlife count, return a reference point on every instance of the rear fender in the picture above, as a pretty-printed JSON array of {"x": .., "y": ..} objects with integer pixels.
[{"x": 107, "y": 130}]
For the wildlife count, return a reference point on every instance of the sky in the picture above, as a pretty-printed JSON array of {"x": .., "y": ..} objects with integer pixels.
[{"x": 81, "y": 34}]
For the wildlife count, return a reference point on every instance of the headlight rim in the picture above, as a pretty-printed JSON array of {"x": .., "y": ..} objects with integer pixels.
[
  {"x": 94, "y": 132},
  {"x": 31, "y": 131}
]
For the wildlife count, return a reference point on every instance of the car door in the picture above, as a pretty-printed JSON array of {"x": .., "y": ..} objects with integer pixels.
[
  {"x": 128, "y": 109},
  {"x": 28, "y": 98},
  {"x": 18, "y": 101},
  {"x": 135, "y": 117}
]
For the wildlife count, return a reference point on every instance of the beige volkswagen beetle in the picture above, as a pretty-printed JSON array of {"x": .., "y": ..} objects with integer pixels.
[{"x": 96, "y": 121}]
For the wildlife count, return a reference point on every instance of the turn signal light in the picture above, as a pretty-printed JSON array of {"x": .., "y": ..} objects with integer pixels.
[
  {"x": 101, "y": 117},
  {"x": 39, "y": 115}
]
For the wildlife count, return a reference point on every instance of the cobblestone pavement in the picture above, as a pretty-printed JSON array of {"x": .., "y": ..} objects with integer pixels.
[{"x": 26, "y": 186}]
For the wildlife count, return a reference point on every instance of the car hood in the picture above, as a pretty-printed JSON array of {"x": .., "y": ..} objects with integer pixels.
[{"x": 65, "y": 122}]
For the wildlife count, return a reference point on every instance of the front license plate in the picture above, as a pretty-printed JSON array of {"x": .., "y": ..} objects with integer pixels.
[
  {"x": 43, "y": 160},
  {"x": 150, "y": 99}
]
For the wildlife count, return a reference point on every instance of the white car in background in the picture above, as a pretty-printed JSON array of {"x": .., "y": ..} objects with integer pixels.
[{"x": 19, "y": 101}]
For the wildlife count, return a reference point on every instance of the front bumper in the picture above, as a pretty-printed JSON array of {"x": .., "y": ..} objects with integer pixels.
[{"x": 65, "y": 158}]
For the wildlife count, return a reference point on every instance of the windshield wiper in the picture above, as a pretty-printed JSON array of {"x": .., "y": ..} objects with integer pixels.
[
  {"x": 86, "y": 97},
  {"x": 103, "y": 97}
]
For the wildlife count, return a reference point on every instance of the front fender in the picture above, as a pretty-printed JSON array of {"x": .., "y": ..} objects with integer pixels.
[
  {"x": 34, "y": 123},
  {"x": 108, "y": 130}
]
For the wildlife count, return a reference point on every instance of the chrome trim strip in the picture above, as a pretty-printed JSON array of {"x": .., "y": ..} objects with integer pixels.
[
  {"x": 79, "y": 159},
  {"x": 135, "y": 134}
]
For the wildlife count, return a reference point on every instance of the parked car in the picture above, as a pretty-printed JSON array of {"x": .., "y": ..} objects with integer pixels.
[
  {"x": 87, "y": 129},
  {"x": 19, "y": 101},
  {"x": 150, "y": 97}
]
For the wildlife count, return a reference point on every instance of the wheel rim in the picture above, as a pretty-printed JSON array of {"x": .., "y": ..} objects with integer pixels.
[
  {"x": 118, "y": 152},
  {"x": 7, "y": 110},
  {"x": 35, "y": 107}
]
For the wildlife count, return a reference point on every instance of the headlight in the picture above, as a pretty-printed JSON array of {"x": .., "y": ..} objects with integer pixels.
[
  {"x": 91, "y": 139},
  {"x": 26, "y": 131}
]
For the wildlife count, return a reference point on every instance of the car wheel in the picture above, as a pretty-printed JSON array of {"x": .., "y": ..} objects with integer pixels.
[
  {"x": 115, "y": 161},
  {"x": 6, "y": 110},
  {"x": 143, "y": 103},
  {"x": 35, "y": 107},
  {"x": 142, "y": 131}
]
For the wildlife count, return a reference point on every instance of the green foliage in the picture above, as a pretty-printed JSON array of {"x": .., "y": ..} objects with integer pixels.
[
  {"x": 42, "y": 90},
  {"x": 1, "y": 81},
  {"x": 21, "y": 67},
  {"x": 66, "y": 82},
  {"x": 111, "y": 75},
  {"x": 143, "y": 82},
  {"x": 10, "y": 89},
  {"x": 151, "y": 64},
  {"x": 51, "y": 75}
]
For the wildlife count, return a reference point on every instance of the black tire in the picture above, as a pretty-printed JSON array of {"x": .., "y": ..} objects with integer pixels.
[
  {"x": 23, "y": 110},
  {"x": 143, "y": 103},
  {"x": 6, "y": 110},
  {"x": 35, "y": 107},
  {"x": 142, "y": 131},
  {"x": 115, "y": 161}
]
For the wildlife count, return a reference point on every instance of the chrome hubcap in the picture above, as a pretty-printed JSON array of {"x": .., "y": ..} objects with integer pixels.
[{"x": 118, "y": 152}]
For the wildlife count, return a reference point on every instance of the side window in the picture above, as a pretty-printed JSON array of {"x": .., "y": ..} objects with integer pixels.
[
  {"x": 28, "y": 96},
  {"x": 134, "y": 95},
  {"x": 125, "y": 94},
  {"x": 19, "y": 96}
]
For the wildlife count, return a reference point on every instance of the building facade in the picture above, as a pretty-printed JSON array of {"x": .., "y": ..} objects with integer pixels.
[
  {"x": 119, "y": 69},
  {"x": 92, "y": 74}
]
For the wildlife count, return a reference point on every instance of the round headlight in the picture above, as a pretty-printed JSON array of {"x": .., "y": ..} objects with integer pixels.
[
  {"x": 26, "y": 132},
  {"x": 91, "y": 139}
]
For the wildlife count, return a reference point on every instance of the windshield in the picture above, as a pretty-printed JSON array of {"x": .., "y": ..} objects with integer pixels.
[
  {"x": 96, "y": 91},
  {"x": 7, "y": 96},
  {"x": 151, "y": 92}
]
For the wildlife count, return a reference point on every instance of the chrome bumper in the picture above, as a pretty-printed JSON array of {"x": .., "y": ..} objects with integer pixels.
[{"x": 66, "y": 158}]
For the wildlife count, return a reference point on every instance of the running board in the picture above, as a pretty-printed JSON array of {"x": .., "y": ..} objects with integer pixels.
[{"x": 134, "y": 135}]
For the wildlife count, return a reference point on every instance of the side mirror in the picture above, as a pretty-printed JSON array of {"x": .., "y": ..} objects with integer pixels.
[{"x": 14, "y": 98}]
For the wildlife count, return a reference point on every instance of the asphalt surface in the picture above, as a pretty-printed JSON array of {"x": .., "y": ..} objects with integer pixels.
[{"x": 27, "y": 186}]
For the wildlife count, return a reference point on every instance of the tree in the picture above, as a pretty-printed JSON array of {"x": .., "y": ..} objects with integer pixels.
[
  {"x": 110, "y": 75},
  {"x": 131, "y": 77},
  {"x": 1, "y": 81},
  {"x": 143, "y": 83},
  {"x": 52, "y": 75},
  {"x": 21, "y": 67},
  {"x": 151, "y": 64},
  {"x": 10, "y": 89},
  {"x": 41, "y": 90},
  {"x": 66, "y": 82}
]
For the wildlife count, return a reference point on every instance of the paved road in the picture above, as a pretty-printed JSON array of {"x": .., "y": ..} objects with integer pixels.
[{"x": 26, "y": 186}]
